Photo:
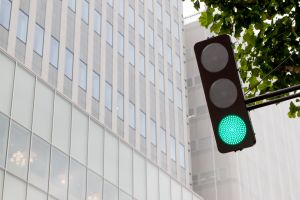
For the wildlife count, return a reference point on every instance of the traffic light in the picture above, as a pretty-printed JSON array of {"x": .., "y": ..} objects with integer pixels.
[{"x": 225, "y": 100}]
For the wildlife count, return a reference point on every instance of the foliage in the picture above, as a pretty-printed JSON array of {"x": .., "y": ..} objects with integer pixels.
[{"x": 267, "y": 34}]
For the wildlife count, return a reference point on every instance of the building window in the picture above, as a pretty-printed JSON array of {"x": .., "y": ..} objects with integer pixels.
[
  {"x": 131, "y": 115},
  {"x": 160, "y": 46},
  {"x": 72, "y": 4},
  {"x": 150, "y": 5},
  {"x": 109, "y": 33},
  {"x": 176, "y": 31},
  {"x": 177, "y": 63},
  {"x": 142, "y": 64},
  {"x": 120, "y": 108},
  {"x": 141, "y": 25},
  {"x": 22, "y": 26},
  {"x": 97, "y": 22},
  {"x": 120, "y": 44},
  {"x": 169, "y": 55},
  {"x": 163, "y": 144},
  {"x": 181, "y": 155},
  {"x": 96, "y": 86},
  {"x": 110, "y": 2},
  {"x": 5, "y": 9},
  {"x": 131, "y": 16},
  {"x": 121, "y": 8},
  {"x": 38, "y": 40},
  {"x": 152, "y": 73},
  {"x": 85, "y": 11},
  {"x": 161, "y": 82},
  {"x": 173, "y": 148},
  {"x": 143, "y": 123},
  {"x": 168, "y": 22},
  {"x": 131, "y": 54},
  {"x": 159, "y": 12},
  {"x": 151, "y": 37},
  {"x": 82, "y": 75},
  {"x": 69, "y": 64},
  {"x": 179, "y": 98},
  {"x": 108, "y": 95},
  {"x": 54, "y": 47},
  {"x": 153, "y": 132},
  {"x": 170, "y": 90}
]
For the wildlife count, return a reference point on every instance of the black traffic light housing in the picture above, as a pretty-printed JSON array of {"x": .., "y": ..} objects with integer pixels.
[{"x": 225, "y": 100}]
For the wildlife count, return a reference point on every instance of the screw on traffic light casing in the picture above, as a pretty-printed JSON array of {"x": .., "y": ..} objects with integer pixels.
[{"x": 225, "y": 100}]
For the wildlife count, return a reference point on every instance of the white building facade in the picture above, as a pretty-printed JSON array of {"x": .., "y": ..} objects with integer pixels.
[
  {"x": 93, "y": 101},
  {"x": 268, "y": 170}
]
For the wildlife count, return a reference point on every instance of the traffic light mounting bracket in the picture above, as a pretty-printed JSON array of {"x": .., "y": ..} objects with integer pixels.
[{"x": 272, "y": 94}]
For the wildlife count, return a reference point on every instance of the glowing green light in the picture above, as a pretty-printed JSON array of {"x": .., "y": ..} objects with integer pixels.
[{"x": 232, "y": 129}]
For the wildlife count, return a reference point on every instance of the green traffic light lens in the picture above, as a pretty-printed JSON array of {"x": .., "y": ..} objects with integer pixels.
[{"x": 232, "y": 129}]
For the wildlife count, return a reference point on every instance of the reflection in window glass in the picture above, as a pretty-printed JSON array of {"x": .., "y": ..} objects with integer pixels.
[
  {"x": 18, "y": 151},
  {"x": 131, "y": 16},
  {"x": 151, "y": 37},
  {"x": 97, "y": 22},
  {"x": 82, "y": 75},
  {"x": 153, "y": 132},
  {"x": 181, "y": 156},
  {"x": 160, "y": 46},
  {"x": 173, "y": 148},
  {"x": 179, "y": 98},
  {"x": 39, "y": 163},
  {"x": 38, "y": 40},
  {"x": 110, "y": 192},
  {"x": 120, "y": 108},
  {"x": 150, "y": 5},
  {"x": 69, "y": 64},
  {"x": 110, "y": 2},
  {"x": 143, "y": 123},
  {"x": 94, "y": 186},
  {"x": 121, "y": 7},
  {"x": 161, "y": 82},
  {"x": 108, "y": 96},
  {"x": 54, "y": 52},
  {"x": 168, "y": 22},
  {"x": 169, "y": 55},
  {"x": 159, "y": 12},
  {"x": 177, "y": 64},
  {"x": 152, "y": 73},
  {"x": 120, "y": 43},
  {"x": 3, "y": 138},
  {"x": 85, "y": 11},
  {"x": 170, "y": 90},
  {"x": 96, "y": 86},
  {"x": 22, "y": 26},
  {"x": 131, "y": 115},
  {"x": 109, "y": 33},
  {"x": 141, "y": 25},
  {"x": 131, "y": 54},
  {"x": 58, "y": 182},
  {"x": 5, "y": 9},
  {"x": 124, "y": 196},
  {"x": 72, "y": 4},
  {"x": 77, "y": 181},
  {"x": 163, "y": 144},
  {"x": 142, "y": 63}
]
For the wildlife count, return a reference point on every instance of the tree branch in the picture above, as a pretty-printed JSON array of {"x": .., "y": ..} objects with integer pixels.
[{"x": 291, "y": 68}]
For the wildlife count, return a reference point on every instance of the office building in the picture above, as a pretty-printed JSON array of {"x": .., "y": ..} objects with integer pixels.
[
  {"x": 268, "y": 170},
  {"x": 92, "y": 101}
]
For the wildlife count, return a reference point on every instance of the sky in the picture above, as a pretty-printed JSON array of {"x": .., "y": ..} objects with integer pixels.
[{"x": 189, "y": 10}]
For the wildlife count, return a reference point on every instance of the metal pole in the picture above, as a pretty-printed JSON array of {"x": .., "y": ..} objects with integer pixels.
[
  {"x": 273, "y": 101},
  {"x": 272, "y": 94}
]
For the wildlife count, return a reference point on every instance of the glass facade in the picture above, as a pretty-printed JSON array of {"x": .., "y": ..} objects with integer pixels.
[
  {"x": 58, "y": 170},
  {"x": 59, "y": 112}
]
